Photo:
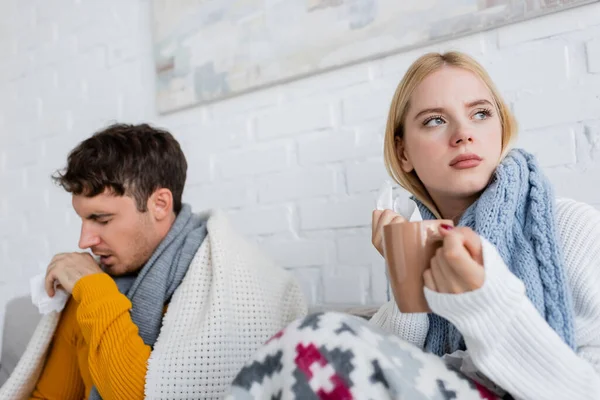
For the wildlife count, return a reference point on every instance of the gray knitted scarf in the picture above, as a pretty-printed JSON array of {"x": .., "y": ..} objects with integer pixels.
[{"x": 156, "y": 282}]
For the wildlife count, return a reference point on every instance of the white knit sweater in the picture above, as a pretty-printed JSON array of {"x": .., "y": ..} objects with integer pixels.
[
  {"x": 230, "y": 302},
  {"x": 507, "y": 338}
]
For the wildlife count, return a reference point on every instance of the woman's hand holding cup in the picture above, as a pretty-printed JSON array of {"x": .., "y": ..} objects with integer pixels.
[{"x": 457, "y": 266}]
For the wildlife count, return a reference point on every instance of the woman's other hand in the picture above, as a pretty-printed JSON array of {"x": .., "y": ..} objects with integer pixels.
[{"x": 382, "y": 218}]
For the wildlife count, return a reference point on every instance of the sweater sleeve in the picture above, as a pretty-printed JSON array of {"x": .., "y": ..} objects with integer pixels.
[
  {"x": 511, "y": 343},
  {"x": 60, "y": 379},
  {"x": 410, "y": 327},
  {"x": 118, "y": 356}
]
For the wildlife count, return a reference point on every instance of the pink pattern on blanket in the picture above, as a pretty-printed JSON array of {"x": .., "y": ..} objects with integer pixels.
[
  {"x": 485, "y": 393},
  {"x": 323, "y": 379}
]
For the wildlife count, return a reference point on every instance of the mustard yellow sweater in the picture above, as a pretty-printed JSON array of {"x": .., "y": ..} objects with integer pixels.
[{"x": 96, "y": 344}]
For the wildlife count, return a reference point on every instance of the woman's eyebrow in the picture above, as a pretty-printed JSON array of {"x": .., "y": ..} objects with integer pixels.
[{"x": 428, "y": 111}]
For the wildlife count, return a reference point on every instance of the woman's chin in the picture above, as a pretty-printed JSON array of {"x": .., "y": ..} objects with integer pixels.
[{"x": 466, "y": 188}]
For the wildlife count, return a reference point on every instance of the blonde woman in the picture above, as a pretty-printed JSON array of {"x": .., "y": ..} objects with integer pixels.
[{"x": 514, "y": 290}]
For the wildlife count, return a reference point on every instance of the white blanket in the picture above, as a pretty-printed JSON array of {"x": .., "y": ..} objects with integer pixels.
[{"x": 230, "y": 302}]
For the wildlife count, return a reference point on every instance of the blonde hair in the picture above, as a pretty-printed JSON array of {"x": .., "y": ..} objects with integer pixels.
[{"x": 394, "y": 131}]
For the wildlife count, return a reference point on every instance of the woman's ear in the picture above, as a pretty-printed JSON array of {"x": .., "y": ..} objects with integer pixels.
[{"x": 405, "y": 163}]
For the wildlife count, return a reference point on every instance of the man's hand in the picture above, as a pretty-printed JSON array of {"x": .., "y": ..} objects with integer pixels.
[
  {"x": 457, "y": 266},
  {"x": 382, "y": 218},
  {"x": 67, "y": 269}
]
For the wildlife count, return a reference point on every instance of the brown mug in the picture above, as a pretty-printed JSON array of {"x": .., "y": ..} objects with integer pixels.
[{"x": 408, "y": 248}]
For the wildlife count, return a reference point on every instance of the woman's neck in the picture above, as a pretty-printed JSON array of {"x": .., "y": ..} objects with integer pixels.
[{"x": 451, "y": 207}]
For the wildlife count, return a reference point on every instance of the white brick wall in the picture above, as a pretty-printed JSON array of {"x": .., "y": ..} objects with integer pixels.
[{"x": 297, "y": 166}]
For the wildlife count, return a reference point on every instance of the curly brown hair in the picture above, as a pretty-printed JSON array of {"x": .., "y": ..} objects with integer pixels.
[{"x": 133, "y": 160}]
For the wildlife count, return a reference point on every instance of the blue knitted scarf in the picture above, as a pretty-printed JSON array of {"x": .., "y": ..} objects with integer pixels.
[{"x": 516, "y": 214}]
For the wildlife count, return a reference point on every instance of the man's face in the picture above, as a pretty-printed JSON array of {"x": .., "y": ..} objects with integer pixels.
[{"x": 113, "y": 229}]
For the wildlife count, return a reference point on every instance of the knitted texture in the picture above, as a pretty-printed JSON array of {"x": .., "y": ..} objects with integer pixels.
[
  {"x": 338, "y": 356},
  {"x": 231, "y": 301},
  {"x": 96, "y": 342},
  {"x": 156, "y": 282},
  {"x": 507, "y": 338},
  {"x": 516, "y": 214}
]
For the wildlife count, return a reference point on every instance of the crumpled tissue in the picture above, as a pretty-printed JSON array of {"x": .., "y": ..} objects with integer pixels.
[
  {"x": 402, "y": 204},
  {"x": 40, "y": 298}
]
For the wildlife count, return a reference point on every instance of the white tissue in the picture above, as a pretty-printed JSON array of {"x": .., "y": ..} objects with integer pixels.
[
  {"x": 40, "y": 298},
  {"x": 401, "y": 205}
]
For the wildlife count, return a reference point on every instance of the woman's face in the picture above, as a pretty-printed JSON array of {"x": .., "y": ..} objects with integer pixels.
[{"x": 452, "y": 135}]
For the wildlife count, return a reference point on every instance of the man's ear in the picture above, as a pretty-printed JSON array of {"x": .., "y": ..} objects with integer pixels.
[
  {"x": 160, "y": 203},
  {"x": 405, "y": 162}
]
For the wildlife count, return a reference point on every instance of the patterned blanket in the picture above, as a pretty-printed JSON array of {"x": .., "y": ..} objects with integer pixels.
[{"x": 331, "y": 356}]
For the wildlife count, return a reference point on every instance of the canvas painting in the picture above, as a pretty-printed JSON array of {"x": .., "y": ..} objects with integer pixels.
[{"x": 207, "y": 50}]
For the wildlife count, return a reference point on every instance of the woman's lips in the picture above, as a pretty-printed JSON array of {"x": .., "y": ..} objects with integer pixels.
[
  {"x": 465, "y": 161},
  {"x": 466, "y": 164}
]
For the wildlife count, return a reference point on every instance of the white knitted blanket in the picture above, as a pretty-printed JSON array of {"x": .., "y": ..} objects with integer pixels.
[{"x": 231, "y": 301}]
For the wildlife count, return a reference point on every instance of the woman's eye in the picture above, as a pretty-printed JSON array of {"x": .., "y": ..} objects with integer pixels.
[
  {"x": 481, "y": 114},
  {"x": 435, "y": 121}
]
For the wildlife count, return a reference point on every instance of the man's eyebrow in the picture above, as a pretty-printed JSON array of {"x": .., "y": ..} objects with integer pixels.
[{"x": 98, "y": 216}]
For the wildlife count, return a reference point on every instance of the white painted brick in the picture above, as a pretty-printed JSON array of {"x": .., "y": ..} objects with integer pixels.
[
  {"x": 357, "y": 250},
  {"x": 557, "y": 107},
  {"x": 67, "y": 240},
  {"x": 125, "y": 78},
  {"x": 20, "y": 157},
  {"x": 263, "y": 220},
  {"x": 98, "y": 34},
  {"x": 200, "y": 167},
  {"x": 339, "y": 146},
  {"x": 346, "y": 212},
  {"x": 257, "y": 160},
  {"x": 13, "y": 180},
  {"x": 379, "y": 284},
  {"x": 310, "y": 282},
  {"x": 123, "y": 50},
  {"x": 366, "y": 176},
  {"x": 576, "y": 183},
  {"x": 552, "y": 146},
  {"x": 221, "y": 195},
  {"x": 326, "y": 83},
  {"x": 531, "y": 66},
  {"x": 90, "y": 61},
  {"x": 15, "y": 68},
  {"x": 56, "y": 52},
  {"x": 37, "y": 36},
  {"x": 186, "y": 122},
  {"x": 549, "y": 25},
  {"x": 299, "y": 253},
  {"x": 56, "y": 149},
  {"x": 592, "y": 135},
  {"x": 302, "y": 183},
  {"x": 593, "y": 56},
  {"x": 246, "y": 103},
  {"x": 46, "y": 11},
  {"x": 294, "y": 118},
  {"x": 346, "y": 286},
  {"x": 373, "y": 104},
  {"x": 25, "y": 200},
  {"x": 214, "y": 137}
]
